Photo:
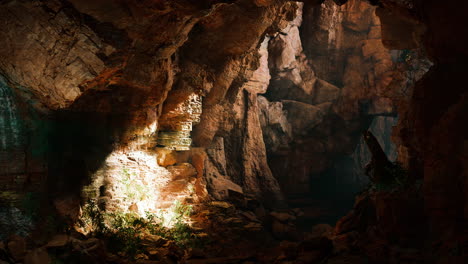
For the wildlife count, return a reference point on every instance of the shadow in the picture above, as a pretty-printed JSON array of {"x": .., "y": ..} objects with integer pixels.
[{"x": 83, "y": 135}]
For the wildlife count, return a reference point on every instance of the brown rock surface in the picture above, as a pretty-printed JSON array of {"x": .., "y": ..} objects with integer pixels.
[{"x": 275, "y": 97}]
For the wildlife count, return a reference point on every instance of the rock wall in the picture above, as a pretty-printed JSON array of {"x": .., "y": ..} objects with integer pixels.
[
  {"x": 203, "y": 99},
  {"x": 123, "y": 88},
  {"x": 330, "y": 68},
  {"x": 120, "y": 86},
  {"x": 431, "y": 136},
  {"x": 23, "y": 166},
  {"x": 381, "y": 126},
  {"x": 431, "y": 129}
]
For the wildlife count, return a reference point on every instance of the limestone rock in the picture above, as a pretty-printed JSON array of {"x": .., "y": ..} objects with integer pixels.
[
  {"x": 165, "y": 157},
  {"x": 275, "y": 125},
  {"x": 310, "y": 116},
  {"x": 215, "y": 170},
  {"x": 324, "y": 92},
  {"x": 182, "y": 171},
  {"x": 260, "y": 79},
  {"x": 285, "y": 47}
]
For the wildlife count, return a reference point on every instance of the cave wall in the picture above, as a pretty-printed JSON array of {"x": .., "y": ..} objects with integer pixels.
[
  {"x": 122, "y": 84},
  {"x": 329, "y": 67},
  {"x": 23, "y": 167},
  {"x": 431, "y": 130},
  {"x": 430, "y": 213},
  {"x": 214, "y": 100}
]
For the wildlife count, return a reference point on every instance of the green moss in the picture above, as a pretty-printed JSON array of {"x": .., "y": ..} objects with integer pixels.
[{"x": 124, "y": 232}]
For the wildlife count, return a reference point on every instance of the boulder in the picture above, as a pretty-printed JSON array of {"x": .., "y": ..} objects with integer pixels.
[
  {"x": 310, "y": 116},
  {"x": 165, "y": 157}
]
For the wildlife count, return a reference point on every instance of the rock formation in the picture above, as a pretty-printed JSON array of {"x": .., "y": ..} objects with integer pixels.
[{"x": 137, "y": 106}]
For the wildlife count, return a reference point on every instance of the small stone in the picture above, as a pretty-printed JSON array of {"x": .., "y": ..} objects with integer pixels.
[
  {"x": 141, "y": 256},
  {"x": 221, "y": 204},
  {"x": 202, "y": 235},
  {"x": 152, "y": 240}
]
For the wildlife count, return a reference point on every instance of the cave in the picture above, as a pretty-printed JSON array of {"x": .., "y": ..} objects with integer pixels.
[{"x": 233, "y": 131}]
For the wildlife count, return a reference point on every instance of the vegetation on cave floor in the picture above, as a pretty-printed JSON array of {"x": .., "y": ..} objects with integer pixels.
[
  {"x": 203, "y": 231},
  {"x": 213, "y": 232}
]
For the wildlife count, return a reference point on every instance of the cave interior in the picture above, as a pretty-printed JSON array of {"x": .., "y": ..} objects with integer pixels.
[{"x": 233, "y": 131}]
